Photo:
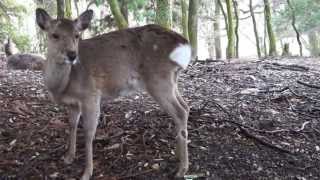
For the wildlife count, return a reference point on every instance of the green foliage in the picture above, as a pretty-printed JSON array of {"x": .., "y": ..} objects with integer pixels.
[
  {"x": 307, "y": 16},
  {"x": 98, "y": 2},
  {"x": 115, "y": 9},
  {"x": 163, "y": 14},
  {"x": 141, "y": 9},
  {"x": 22, "y": 41},
  {"x": 11, "y": 16}
]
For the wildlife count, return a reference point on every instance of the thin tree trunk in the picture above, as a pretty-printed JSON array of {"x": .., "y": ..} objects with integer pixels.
[
  {"x": 115, "y": 9},
  {"x": 163, "y": 13},
  {"x": 193, "y": 26},
  {"x": 272, "y": 39},
  {"x": 124, "y": 9},
  {"x": 286, "y": 50},
  {"x": 224, "y": 15},
  {"x": 256, "y": 34},
  {"x": 265, "y": 34},
  {"x": 293, "y": 23},
  {"x": 216, "y": 27},
  {"x": 60, "y": 9},
  {"x": 184, "y": 19},
  {"x": 76, "y": 6},
  {"x": 236, "y": 28},
  {"x": 230, "y": 48},
  {"x": 68, "y": 12}
]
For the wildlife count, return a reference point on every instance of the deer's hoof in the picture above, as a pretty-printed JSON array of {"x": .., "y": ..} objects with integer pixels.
[
  {"x": 181, "y": 172},
  {"x": 85, "y": 176},
  {"x": 68, "y": 159}
]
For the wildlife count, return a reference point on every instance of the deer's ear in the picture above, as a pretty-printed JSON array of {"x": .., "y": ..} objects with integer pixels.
[
  {"x": 43, "y": 19},
  {"x": 83, "y": 21}
]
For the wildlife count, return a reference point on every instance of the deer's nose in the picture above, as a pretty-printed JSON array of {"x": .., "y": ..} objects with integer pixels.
[{"x": 71, "y": 55}]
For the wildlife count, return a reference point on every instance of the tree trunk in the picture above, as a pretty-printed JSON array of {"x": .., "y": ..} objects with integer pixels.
[
  {"x": 216, "y": 27},
  {"x": 163, "y": 13},
  {"x": 255, "y": 29},
  {"x": 124, "y": 9},
  {"x": 230, "y": 48},
  {"x": 224, "y": 15},
  {"x": 314, "y": 43},
  {"x": 77, "y": 7},
  {"x": 286, "y": 50},
  {"x": 265, "y": 35},
  {"x": 272, "y": 39},
  {"x": 60, "y": 9},
  {"x": 68, "y": 11},
  {"x": 115, "y": 9},
  {"x": 193, "y": 26},
  {"x": 293, "y": 23},
  {"x": 236, "y": 28},
  {"x": 184, "y": 18}
]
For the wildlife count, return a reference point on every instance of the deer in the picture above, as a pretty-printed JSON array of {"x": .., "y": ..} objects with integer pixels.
[
  {"x": 21, "y": 61},
  {"x": 80, "y": 72}
]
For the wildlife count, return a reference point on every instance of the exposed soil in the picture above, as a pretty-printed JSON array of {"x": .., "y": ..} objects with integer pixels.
[{"x": 248, "y": 120}]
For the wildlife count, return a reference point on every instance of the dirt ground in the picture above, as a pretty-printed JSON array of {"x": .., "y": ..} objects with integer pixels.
[{"x": 248, "y": 120}]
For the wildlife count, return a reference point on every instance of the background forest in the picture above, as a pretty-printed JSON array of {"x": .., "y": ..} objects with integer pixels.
[{"x": 216, "y": 28}]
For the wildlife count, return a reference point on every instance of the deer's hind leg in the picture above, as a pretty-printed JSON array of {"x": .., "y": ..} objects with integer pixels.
[{"x": 163, "y": 90}]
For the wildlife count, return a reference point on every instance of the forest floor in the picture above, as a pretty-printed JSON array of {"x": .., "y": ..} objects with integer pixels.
[{"x": 248, "y": 120}]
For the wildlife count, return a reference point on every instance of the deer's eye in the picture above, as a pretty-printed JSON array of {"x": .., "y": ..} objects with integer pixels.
[
  {"x": 77, "y": 36},
  {"x": 55, "y": 36}
]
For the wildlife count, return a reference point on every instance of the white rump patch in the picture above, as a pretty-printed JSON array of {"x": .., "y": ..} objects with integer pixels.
[{"x": 181, "y": 55}]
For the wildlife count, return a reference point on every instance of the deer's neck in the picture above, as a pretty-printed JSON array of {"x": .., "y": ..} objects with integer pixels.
[{"x": 56, "y": 76}]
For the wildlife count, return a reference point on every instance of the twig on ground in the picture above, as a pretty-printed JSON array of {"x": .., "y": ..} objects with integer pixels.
[
  {"x": 308, "y": 85},
  {"x": 263, "y": 142},
  {"x": 302, "y": 126},
  {"x": 247, "y": 134}
]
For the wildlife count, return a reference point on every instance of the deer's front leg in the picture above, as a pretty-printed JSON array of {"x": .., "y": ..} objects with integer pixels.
[
  {"x": 74, "y": 115},
  {"x": 90, "y": 114}
]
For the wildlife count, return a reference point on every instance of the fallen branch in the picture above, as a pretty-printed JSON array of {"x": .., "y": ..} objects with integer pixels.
[
  {"x": 263, "y": 142},
  {"x": 308, "y": 85},
  {"x": 247, "y": 134}
]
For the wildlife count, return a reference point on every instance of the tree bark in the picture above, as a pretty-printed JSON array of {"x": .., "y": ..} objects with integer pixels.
[
  {"x": 265, "y": 35},
  {"x": 60, "y": 9},
  {"x": 124, "y": 9},
  {"x": 224, "y": 14},
  {"x": 230, "y": 48},
  {"x": 163, "y": 13},
  {"x": 236, "y": 28},
  {"x": 256, "y": 34},
  {"x": 193, "y": 26},
  {"x": 115, "y": 9},
  {"x": 272, "y": 39},
  {"x": 286, "y": 50},
  {"x": 216, "y": 27},
  {"x": 293, "y": 23},
  {"x": 76, "y": 6},
  {"x": 184, "y": 18},
  {"x": 68, "y": 12}
]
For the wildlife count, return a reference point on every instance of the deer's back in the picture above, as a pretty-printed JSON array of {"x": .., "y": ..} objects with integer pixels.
[{"x": 121, "y": 59}]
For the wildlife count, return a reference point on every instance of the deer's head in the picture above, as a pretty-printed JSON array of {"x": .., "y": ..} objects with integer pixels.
[{"x": 63, "y": 35}]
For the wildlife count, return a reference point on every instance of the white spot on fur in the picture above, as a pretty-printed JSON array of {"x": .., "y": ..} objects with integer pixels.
[{"x": 181, "y": 55}]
